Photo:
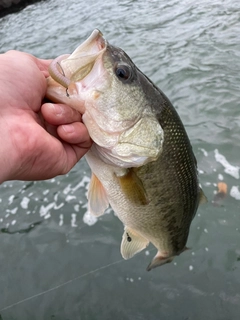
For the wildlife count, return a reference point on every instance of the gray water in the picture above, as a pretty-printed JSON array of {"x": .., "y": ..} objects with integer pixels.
[{"x": 56, "y": 262}]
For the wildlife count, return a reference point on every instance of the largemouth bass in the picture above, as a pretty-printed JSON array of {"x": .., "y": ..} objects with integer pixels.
[{"x": 141, "y": 160}]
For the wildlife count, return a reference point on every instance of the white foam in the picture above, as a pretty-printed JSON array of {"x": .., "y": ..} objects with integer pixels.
[
  {"x": 73, "y": 220},
  {"x": 229, "y": 169},
  {"x": 24, "y": 203},
  {"x": 44, "y": 210},
  {"x": 57, "y": 207},
  {"x": 205, "y": 153},
  {"x": 76, "y": 207},
  {"x": 85, "y": 180},
  {"x": 89, "y": 218},
  {"x": 56, "y": 197},
  {"x": 10, "y": 199},
  {"x": 220, "y": 177},
  {"x": 13, "y": 211},
  {"x": 61, "y": 220},
  {"x": 67, "y": 189},
  {"x": 69, "y": 198},
  {"x": 235, "y": 193}
]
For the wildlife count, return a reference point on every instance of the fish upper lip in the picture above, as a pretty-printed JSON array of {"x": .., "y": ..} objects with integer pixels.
[
  {"x": 79, "y": 64},
  {"x": 96, "y": 36}
]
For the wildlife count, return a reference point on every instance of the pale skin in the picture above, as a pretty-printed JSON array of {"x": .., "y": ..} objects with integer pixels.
[{"x": 38, "y": 140}]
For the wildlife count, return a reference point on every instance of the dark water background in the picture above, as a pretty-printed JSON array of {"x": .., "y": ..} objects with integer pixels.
[{"x": 58, "y": 263}]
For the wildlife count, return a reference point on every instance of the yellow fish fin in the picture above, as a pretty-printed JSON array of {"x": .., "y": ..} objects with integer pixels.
[
  {"x": 132, "y": 243},
  {"x": 97, "y": 197},
  {"x": 202, "y": 198},
  {"x": 132, "y": 187}
]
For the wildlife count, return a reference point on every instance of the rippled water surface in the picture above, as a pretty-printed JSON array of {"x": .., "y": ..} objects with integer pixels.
[{"x": 56, "y": 262}]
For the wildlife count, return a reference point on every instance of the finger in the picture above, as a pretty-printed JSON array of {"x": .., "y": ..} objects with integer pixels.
[
  {"x": 43, "y": 66},
  {"x": 75, "y": 133},
  {"x": 52, "y": 130},
  {"x": 73, "y": 154},
  {"x": 59, "y": 114}
]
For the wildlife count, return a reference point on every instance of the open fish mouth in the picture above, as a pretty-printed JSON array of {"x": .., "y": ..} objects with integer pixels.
[
  {"x": 75, "y": 67},
  {"x": 80, "y": 63}
]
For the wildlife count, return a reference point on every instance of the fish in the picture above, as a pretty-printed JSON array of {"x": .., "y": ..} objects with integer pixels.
[{"x": 141, "y": 160}]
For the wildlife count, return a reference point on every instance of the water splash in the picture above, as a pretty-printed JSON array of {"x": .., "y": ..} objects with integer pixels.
[{"x": 228, "y": 168}]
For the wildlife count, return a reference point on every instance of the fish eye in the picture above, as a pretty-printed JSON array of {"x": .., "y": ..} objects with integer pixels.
[{"x": 123, "y": 72}]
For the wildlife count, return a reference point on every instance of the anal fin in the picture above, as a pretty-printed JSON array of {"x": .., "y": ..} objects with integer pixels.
[
  {"x": 132, "y": 243},
  {"x": 159, "y": 260}
]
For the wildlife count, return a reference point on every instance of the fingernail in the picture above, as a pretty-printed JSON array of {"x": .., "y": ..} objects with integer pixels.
[{"x": 68, "y": 128}]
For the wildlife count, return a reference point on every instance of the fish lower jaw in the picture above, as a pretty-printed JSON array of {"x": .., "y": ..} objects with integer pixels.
[{"x": 118, "y": 160}]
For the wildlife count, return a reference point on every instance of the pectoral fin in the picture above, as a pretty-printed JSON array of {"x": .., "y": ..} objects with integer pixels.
[
  {"x": 97, "y": 197},
  {"x": 132, "y": 243},
  {"x": 132, "y": 187}
]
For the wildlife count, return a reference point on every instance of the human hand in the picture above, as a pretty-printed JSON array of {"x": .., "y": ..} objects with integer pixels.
[{"x": 38, "y": 141}]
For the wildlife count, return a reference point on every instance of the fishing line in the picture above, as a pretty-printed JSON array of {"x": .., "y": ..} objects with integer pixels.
[{"x": 60, "y": 285}]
